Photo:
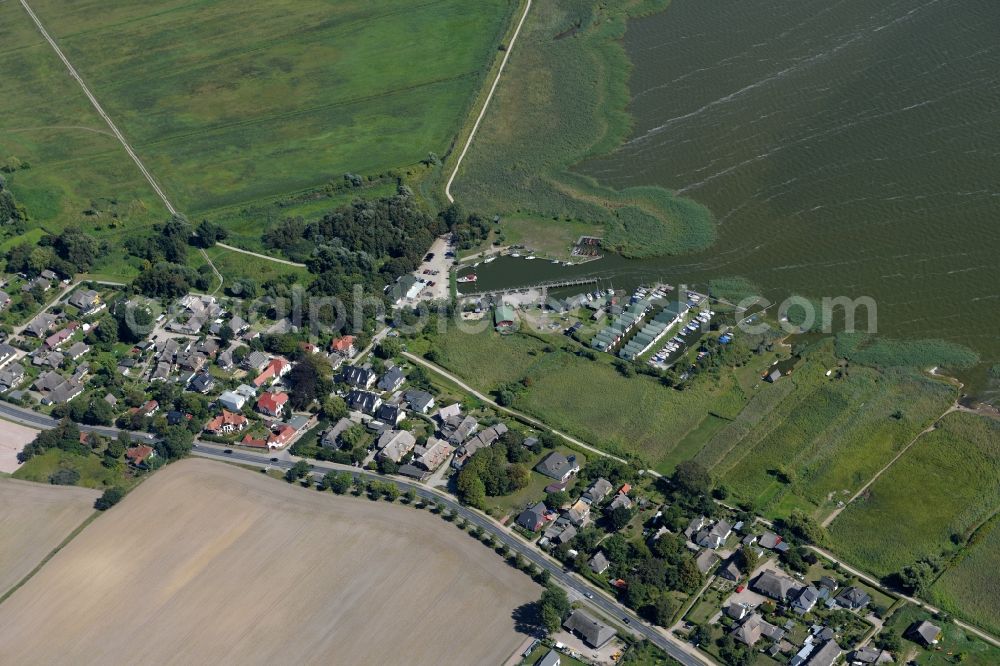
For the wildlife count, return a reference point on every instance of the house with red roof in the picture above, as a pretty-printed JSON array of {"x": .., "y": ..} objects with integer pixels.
[
  {"x": 277, "y": 368},
  {"x": 253, "y": 442},
  {"x": 344, "y": 346},
  {"x": 272, "y": 404},
  {"x": 148, "y": 409},
  {"x": 138, "y": 455},
  {"x": 226, "y": 423},
  {"x": 282, "y": 435}
]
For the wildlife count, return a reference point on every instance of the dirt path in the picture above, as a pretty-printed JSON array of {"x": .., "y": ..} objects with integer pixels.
[
  {"x": 486, "y": 104},
  {"x": 836, "y": 512},
  {"x": 261, "y": 256}
]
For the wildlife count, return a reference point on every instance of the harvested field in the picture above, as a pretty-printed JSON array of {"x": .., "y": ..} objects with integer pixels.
[
  {"x": 208, "y": 563},
  {"x": 34, "y": 520},
  {"x": 13, "y": 437}
]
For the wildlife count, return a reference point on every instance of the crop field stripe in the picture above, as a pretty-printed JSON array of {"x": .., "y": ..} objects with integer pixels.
[
  {"x": 486, "y": 104},
  {"x": 99, "y": 109}
]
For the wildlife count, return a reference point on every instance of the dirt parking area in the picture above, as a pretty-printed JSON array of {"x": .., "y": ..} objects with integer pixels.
[
  {"x": 209, "y": 563},
  {"x": 13, "y": 437},
  {"x": 34, "y": 519},
  {"x": 436, "y": 270}
]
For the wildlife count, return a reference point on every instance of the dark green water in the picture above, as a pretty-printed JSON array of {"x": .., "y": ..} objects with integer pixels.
[{"x": 845, "y": 147}]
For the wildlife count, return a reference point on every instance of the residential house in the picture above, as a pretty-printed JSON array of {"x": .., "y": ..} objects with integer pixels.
[
  {"x": 551, "y": 658},
  {"x": 620, "y": 500},
  {"x": 7, "y": 354},
  {"x": 706, "y": 560},
  {"x": 419, "y": 401},
  {"x": 48, "y": 274},
  {"x": 853, "y": 598},
  {"x": 827, "y": 655},
  {"x": 871, "y": 655},
  {"x": 737, "y": 611},
  {"x": 770, "y": 540},
  {"x": 56, "y": 389},
  {"x": 484, "y": 439},
  {"x": 331, "y": 437},
  {"x": 828, "y": 583},
  {"x": 225, "y": 360},
  {"x": 599, "y": 563},
  {"x": 433, "y": 454},
  {"x": 161, "y": 373},
  {"x": 53, "y": 359},
  {"x": 595, "y": 634},
  {"x": 775, "y": 585},
  {"x": 363, "y": 401},
  {"x": 256, "y": 360},
  {"x": 395, "y": 444},
  {"x": 76, "y": 350},
  {"x": 344, "y": 346},
  {"x": 391, "y": 414},
  {"x": 175, "y": 417},
  {"x": 87, "y": 301},
  {"x": 275, "y": 370},
  {"x": 695, "y": 526},
  {"x": 715, "y": 536},
  {"x": 226, "y": 423},
  {"x": 61, "y": 336},
  {"x": 137, "y": 456},
  {"x": 598, "y": 491},
  {"x": 37, "y": 283},
  {"x": 451, "y": 411},
  {"x": 4, "y": 300},
  {"x": 579, "y": 513},
  {"x": 358, "y": 377},
  {"x": 457, "y": 429},
  {"x": 504, "y": 318},
  {"x": 232, "y": 401},
  {"x": 731, "y": 571},
  {"x": 281, "y": 436},
  {"x": 557, "y": 466},
  {"x": 202, "y": 382},
  {"x": 208, "y": 348},
  {"x": 924, "y": 632},
  {"x": 272, "y": 404},
  {"x": 148, "y": 409},
  {"x": 533, "y": 517},
  {"x": 806, "y": 600},
  {"x": 392, "y": 379},
  {"x": 754, "y": 628},
  {"x": 191, "y": 361},
  {"x": 11, "y": 375}
]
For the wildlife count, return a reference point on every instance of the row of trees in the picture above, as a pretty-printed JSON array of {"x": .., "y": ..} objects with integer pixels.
[{"x": 496, "y": 470}]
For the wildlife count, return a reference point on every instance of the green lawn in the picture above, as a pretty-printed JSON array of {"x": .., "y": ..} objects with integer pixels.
[
  {"x": 230, "y": 102},
  {"x": 946, "y": 485},
  {"x": 92, "y": 473}
]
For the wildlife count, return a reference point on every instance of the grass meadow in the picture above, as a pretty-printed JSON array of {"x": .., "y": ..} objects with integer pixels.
[
  {"x": 943, "y": 488},
  {"x": 47, "y": 122},
  {"x": 230, "y": 102},
  {"x": 822, "y": 438},
  {"x": 954, "y": 641},
  {"x": 563, "y": 99},
  {"x": 970, "y": 586}
]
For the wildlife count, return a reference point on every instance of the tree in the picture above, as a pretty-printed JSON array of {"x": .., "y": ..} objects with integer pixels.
[
  {"x": 388, "y": 348},
  {"x": 310, "y": 378},
  {"x": 663, "y": 610},
  {"x": 471, "y": 489},
  {"x": 554, "y": 607},
  {"x": 109, "y": 498},
  {"x": 692, "y": 478},
  {"x": 334, "y": 408},
  {"x": 64, "y": 476},
  {"x": 209, "y": 234},
  {"x": 748, "y": 558},
  {"x": 387, "y": 466},
  {"x": 557, "y": 499},
  {"x": 340, "y": 483},
  {"x": 176, "y": 442},
  {"x": 619, "y": 517},
  {"x": 297, "y": 471}
]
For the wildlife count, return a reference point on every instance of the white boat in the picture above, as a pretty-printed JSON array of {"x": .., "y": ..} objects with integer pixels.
[
  {"x": 515, "y": 254},
  {"x": 530, "y": 257},
  {"x": 472, "y": 277},
  {"x": 489, "y": 260}
]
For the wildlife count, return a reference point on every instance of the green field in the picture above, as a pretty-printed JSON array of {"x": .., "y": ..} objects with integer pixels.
[
  {"x": 229, "y": 101},
  {"x": 92, "y": 473},
  {"x": 47, "y": 122},
  {"x": 563, "y": 99},
  {"x": 944, "y": 487},
  {"x": 825, "y": 438},
  {"x": 970, "y": 585},
  {"x": 590, "y": 399}
]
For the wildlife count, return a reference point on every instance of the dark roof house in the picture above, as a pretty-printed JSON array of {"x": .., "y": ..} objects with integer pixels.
[
  {"x": 557, "y": 466},
  {"x": 594, "y": 633}
]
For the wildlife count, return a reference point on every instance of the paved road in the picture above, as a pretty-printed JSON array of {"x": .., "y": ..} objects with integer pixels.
[
  {"x": 682, "y": 652},
  {"x": 31, "y": 419},
  {"x": 486, "y": 104}
]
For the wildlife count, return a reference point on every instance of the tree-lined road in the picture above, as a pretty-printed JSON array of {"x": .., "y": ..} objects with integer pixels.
[{"x": 587, "y": 595}]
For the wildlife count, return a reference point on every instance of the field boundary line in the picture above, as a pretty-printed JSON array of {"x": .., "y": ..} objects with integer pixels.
[
  {"x": 486, "y": 104},
  {"x": 100, "y": 110},
  {"x": 260, "y": 256},
  {"x": 929, "y": 429},
  {"x": 45, "y": 560}
]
